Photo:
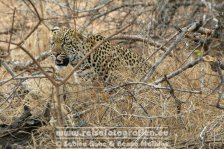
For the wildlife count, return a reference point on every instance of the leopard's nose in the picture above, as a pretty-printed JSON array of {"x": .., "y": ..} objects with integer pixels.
[
  {"x": 58, "y": 61},
  {"x": 53, "y": 55},
  {"x": 54, "y": 52},
  {"x": 62, "y": 61}
]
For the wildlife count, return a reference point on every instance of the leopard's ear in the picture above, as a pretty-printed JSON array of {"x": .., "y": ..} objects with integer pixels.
[{"x": 54, "y": 30}]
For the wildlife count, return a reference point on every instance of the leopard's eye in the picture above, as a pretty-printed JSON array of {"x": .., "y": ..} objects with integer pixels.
[
  {"x": 26, "y": 91},
  {"x": 55, "y": 29}
]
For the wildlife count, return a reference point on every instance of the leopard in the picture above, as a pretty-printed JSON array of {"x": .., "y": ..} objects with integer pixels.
[{"x": 69, "y": 46}]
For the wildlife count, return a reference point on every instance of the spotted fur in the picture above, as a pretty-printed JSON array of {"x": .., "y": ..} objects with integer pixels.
[{"x": 70, "y": 46}]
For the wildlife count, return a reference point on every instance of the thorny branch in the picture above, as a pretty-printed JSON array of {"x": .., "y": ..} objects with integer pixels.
[
  {"x": 39, "y": 58},
  {"x": 139, "y": 38},
  {"x": 94, "y": 17},
  {"x": 177, "y": 101},
  {"x": 153, "y": 68},
  {"x": 178, "y": 71},
  {"x": 221, "y": 86},
  {"x": 179, "y": 38},
  {"x": 10, "y": 37},
  {"x": 153, "y": 86},
  {"x": 12, "y": 73},
  {"x": 35, "y": 27}
]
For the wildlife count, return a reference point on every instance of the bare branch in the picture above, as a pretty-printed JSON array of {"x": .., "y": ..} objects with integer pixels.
[
  {"x": 27, "y": 64},
  {"x": 10, "y": 36},
  {"x": 141, "y": 39},
  {"x": 153, "y": 86},
  {"x": 35, "y": 27},
  {"x": 172, "y": 46},
  {"x": 38, "y": 65},
  {"x": 179, "y": 37},
  {"x": 12, "y": 73},
  {"x": 180, "y": 70}
]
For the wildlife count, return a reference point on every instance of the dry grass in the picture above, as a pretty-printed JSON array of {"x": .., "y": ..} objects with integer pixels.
[{"x": 89, "y": 105}]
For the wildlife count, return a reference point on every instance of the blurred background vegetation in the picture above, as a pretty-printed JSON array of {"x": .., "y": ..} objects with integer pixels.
[{"x": 189, "y": 100}]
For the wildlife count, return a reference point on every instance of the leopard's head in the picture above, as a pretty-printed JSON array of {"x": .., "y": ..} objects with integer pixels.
[
  {"x": 65, "y": 46},
  {"x": 56, "y": 41}
]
